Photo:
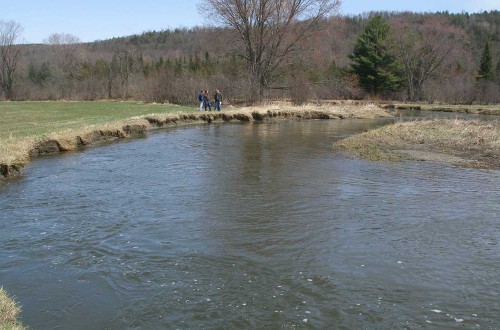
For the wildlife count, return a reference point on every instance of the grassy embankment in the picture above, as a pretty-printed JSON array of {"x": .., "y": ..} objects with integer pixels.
[
  {"x": 459, "y": 142},
  {"x": 458, "y": 108},
  {"x": 24, "y": 124},
  {"x": 9, "y": 312},
  {"x": 31, "y": 128},
  {"x": 26, "y": 127}
]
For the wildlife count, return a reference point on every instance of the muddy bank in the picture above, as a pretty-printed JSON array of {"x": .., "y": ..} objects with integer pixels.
[
  {"x": 458, "y": 142},
  {"x": 10, "y": 170},
  {"x": 138, "y": 127},
  {"x": 55, "y": 145}
]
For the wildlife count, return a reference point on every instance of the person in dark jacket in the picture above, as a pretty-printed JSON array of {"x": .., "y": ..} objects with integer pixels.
[
  {"x": 206, "y": 99},
  {"x": 218, "y": 100}
]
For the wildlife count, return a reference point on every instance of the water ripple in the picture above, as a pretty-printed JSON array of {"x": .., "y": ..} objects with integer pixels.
[{"x": 250, "y": 226}]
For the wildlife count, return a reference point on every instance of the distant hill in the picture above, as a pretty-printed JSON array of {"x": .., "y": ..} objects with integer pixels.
[{"x": 171, "y": 65}]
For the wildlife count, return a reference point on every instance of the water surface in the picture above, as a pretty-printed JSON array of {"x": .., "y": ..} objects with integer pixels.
[{"x": 250, "y": 226}]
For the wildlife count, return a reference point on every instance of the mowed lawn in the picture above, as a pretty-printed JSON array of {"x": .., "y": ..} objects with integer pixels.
[{"x": 19, "y": 120}]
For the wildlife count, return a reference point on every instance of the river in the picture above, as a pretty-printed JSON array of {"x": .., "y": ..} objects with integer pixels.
[{"x": 250, "y": 226}]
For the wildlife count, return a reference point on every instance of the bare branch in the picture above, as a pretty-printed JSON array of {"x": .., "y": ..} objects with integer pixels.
[{"x": 270, "y": 31}]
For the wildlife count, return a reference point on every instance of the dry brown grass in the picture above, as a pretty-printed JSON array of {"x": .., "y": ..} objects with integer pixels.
[
  {"x": 339, "y": 109},
  {"x": 462, "y": 142},
  {"x": 492, "y": 109},
  {"x": 9, "y": 312}
]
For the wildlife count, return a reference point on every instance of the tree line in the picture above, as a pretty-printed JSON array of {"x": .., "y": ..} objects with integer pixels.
[{"x": 267, "y": 52}]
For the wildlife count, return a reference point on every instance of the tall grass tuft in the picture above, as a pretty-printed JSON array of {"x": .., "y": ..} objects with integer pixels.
[{"x": 9, "y": 312}]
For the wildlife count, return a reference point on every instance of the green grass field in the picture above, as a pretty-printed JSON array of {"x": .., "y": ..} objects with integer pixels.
[{"x": 19, "y": 120}]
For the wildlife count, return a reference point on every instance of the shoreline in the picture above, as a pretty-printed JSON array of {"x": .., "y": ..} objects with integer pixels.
[
  {"x": 28, "y": 149},
  {"x": 21, "y": 152},
  {"x": 464, "y": 143},
  {"x": 475, "y": 109}
]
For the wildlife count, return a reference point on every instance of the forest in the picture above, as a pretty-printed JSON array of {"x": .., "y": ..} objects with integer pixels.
[{"x": 403, "y": 56}]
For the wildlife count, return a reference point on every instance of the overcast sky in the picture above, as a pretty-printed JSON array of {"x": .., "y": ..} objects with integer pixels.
[{"x": 102, "y": 19}]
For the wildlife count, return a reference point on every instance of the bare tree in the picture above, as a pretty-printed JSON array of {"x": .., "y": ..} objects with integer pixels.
[
  {"x": 9, "y": 55},
  {"x": 422, "y": 48},
  {"x": 67, "y": 48},
  {"x": 126, "y": 63},
  {"x": 270, "y": 31}
]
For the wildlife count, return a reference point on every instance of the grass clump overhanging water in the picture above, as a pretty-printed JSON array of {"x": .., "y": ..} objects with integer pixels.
[
  {"x": 25, "y": 123},
  {"x": 9, "y": 312},
  {"x": 460, "y": 142}
]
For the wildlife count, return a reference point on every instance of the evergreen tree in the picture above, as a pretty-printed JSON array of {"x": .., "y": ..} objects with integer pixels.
[
  {"x": 486, "y": 66},
  {"x": 39, "y": 75},
  {"x": 377, "y": 69},
  {"x": 32, "y": 73}
]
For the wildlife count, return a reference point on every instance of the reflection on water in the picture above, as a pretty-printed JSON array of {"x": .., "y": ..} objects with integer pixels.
[{"x": 250, "y": 226}]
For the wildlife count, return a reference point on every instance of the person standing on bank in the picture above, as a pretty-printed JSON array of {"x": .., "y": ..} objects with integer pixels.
[
  {"x": 206, "y": 99},
  {"x": 201, "y": 100},
  {"x": 218, "y": 100}
]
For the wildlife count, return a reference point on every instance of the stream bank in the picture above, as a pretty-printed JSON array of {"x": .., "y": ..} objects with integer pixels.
[
  {"x": 72, "y": 140},
  {"x": 466, "y": 143}
]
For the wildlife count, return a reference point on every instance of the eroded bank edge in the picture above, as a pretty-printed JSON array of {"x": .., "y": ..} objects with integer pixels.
[{"x": 139, "y": 127}]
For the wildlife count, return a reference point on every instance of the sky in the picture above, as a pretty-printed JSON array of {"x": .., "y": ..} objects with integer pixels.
[{"x": 92, "y": 20}]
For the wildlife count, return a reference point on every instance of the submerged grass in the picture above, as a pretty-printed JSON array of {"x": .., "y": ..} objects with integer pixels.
[
  {"x": 461, "y": 142},
  {"x": 9, "y": 312}
]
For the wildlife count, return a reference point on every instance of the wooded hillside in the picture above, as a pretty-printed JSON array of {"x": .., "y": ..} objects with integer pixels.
[{"x": 440, "y": 57}]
